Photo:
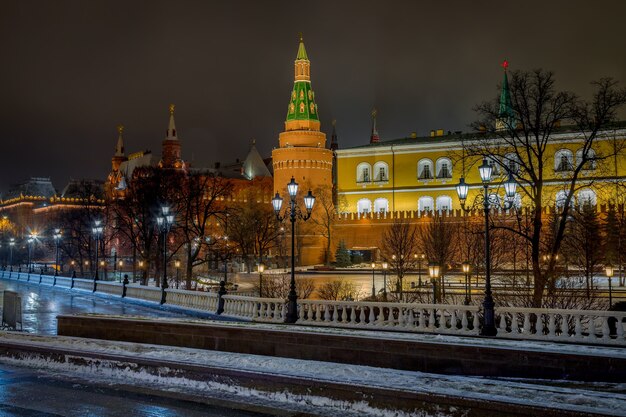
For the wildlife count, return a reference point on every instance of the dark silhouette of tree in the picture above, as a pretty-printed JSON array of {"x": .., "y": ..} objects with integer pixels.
[{"x": 399, "y": 244}]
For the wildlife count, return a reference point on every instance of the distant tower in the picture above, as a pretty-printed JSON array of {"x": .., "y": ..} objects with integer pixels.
[
  {"x": 115, "y": 176},
  {"x": 302, "y": 151},
  {"x": 506, "y": 115},
  {"x": 171, "y": 152},
  {"x": 374, "y": 138}
]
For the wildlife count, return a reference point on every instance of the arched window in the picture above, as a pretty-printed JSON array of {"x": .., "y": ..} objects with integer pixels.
[
  {"x": 444, "y": 203},
  {"x": 364, "y": 205},
  {"x": 444, "y": 168},
  {"x": 590, "y": 162},
  {"x": 563, "y": 160},
  {"x": 425, "y": 204},
  {"x": 381, "y": 205},
  {"x": 425, "y": 169},
  {"x": 561, "y": 197},
  {"x": 381, "y": 171},
  {"x": 363, "y": 172},
  {"x": 517, "y": 201},
  {"x": 494, "y": 164},
  {"x": 494, "y": 200},
  {"x": 511, "y": 160},
  {"x": 587, "y": 197}
]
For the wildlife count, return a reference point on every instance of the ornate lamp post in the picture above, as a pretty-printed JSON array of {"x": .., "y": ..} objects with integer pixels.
[
  {"x": 165, "y": 223},
  {"x": 97, "y": 232},
  {"x": 57, "y": 238},
  {"x": 608, "y": 269},
  {"x": 294, "y": 213},
  {"x": 385, "y": 266},
  {"x": 373, "y": 285},
  {"x": 510, "y": 186},
  {"x": 433, "y": 272},
  {"x": 11, "y": 244},
  {"x": 261, "y": 269},
  {"x": 466, "y": 269}
]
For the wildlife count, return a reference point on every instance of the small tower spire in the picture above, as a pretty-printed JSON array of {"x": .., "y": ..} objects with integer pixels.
[
  {"x": 171, "y": 130},
  {"x": 119, "y": 149},
  {"x": 506, "y": 116},
  {"x": 374, "y": 138}
]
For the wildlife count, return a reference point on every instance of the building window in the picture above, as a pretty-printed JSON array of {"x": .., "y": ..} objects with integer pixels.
[
  {"x": 444, "y": 203},
  {"x": 589, "y": 161},
  {"x": 381, "y": 205},
  {"x": 586, "y": 198},
  {"x": 381, "y": 171},
  {"x": 363, "y": 172},
  {"x": 495, "y": 166},
  {"x": 425, "y": 169},
  {"x": 563, "y": 160},
  {"x": 364, "y": 206},
  {"x": 512, "y": 162},
  {"x": 425, "y": 204},
  {"x": 444, "y": 168}
]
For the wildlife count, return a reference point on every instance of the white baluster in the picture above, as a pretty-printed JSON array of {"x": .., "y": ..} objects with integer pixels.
[
  {"x": 606, "y": 332},
  {"x": 551, "y": 325}
]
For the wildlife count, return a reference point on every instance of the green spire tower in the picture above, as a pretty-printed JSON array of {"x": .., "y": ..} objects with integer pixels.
[
  {"x": 302, "y": 110},
  {"x": 506, "y": 115}
]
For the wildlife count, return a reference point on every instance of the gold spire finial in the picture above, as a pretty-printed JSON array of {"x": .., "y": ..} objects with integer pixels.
[
  {"x": 300, "y": 36},
  {"x": 172, "y": 107},
  {"x": 374, "y": 113},
  {"x": 253, "y": 141},
  {"x": 334, "y": 122},
  {"x": 120, "y": 128}
]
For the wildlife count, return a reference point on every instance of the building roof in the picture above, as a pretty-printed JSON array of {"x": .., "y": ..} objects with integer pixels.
[{"x": 35, "y": 186}]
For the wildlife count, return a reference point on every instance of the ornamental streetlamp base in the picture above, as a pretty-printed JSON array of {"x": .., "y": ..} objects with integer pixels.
[
  {"x": 489, "y": 320},
  {"x": 292, "y": 309}
]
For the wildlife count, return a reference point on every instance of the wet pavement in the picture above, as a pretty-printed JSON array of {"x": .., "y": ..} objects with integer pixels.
[
  {"x": 29, "y": 393},
  {"x": 41, "y": 305}
]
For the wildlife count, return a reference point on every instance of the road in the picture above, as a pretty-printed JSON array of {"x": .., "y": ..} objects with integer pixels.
[
  {"x": 41, "y": 304},
  {"x": 29, "y": 393}
]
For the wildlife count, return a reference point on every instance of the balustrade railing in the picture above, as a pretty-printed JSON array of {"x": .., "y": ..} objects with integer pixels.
[
  {"x": 431, "y": 318},
  {"x": 586, "y": 326},
  {"x": 255, "y": 308},
  {"x": 558, "y": 325},
  {"x": 197, "y": 300}
]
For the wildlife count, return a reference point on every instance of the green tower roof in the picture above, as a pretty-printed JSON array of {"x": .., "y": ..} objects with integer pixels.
[
  {"x": 506, "y": 108},
  {"x": 302, "y": 103},
  {"x": 302, "y": 51}
]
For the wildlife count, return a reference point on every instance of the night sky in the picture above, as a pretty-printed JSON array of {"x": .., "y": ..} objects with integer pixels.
[{"x": 72, "y": 70}]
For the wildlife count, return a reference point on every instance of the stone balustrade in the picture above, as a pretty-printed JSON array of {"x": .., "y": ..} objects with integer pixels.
[
  {"x": 555, "y": 325},
  {"x": 586, "y": 326},
  {"x": 430, "y": 318},
  {"x": 255, "y": 308}
]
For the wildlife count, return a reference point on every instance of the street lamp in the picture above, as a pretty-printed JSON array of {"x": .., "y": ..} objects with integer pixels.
[
  {"x": 294, "y": 213},
  {"x": 433, "y": 271},
  {"x": 165, "y": 222},
  {"x": 177, "y": 265},
  {"x": 97, "y": 232},
  {"x": 385, "y": 266},
  {"x": 57, "y": 238},
  {"x": 466, "y": 269},
  {"x": 608, "y": 269},
  {"x": 120, "y": 265},
  {"x": 462, "y": 189},
  {"x": 31, "y": 239},
  {"x": 373, "y": 284},
  {"x": 11, "y": 244},
  {"x": 419, "y": 258},
  {"x": 261, "y": 269}
]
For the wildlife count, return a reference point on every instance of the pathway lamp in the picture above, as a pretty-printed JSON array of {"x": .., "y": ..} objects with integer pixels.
[
  {"x": 433, "y": 272},
  {"x": 373, "y": 284},
  {"x": 510, "y": 186},
  {"x": 97, "y": 232},
  {"x": 31, "y": 240},
  {"x": 57, "y": 238},
  {"x": 385, "y": 266},
  {"x": 293, "y": 212},
  {"x": 261, "y": 270},
  {"x": 11, "y": 244},
  {"x": 177, "y": 265},
  {"x": 164, "y": 222},
  {"x": 608, "y": 269},
  {"x": 466, "y": 270}
]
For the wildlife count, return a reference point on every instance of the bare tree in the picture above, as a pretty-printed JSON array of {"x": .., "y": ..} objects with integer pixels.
[
  {"x": 399, "y": 244},
  {"x": 277, "y": 286},
  {"x": 520, "y": 136},
  {"x": 338, "y": 290},
  {"x": 439, "y": 240}
]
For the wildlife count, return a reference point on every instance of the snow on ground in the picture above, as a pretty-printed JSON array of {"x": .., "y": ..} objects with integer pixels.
[{"x": 549, "y": 394}]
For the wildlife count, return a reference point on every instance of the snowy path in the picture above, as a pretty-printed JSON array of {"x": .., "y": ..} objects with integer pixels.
[{"x": 606, "y": 399}]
